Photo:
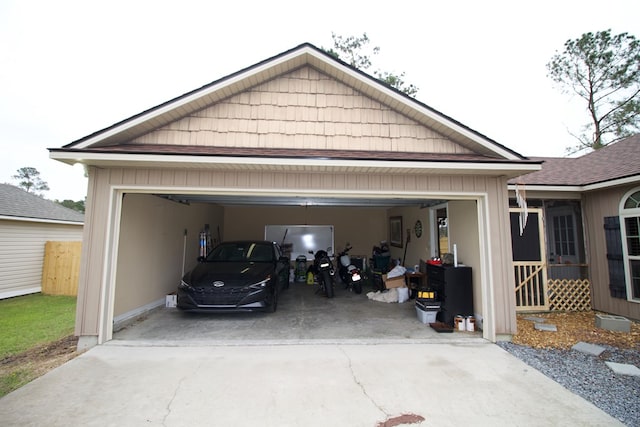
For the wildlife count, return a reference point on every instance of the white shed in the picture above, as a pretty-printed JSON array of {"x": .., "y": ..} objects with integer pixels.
[{"x": 27, "y": 222}]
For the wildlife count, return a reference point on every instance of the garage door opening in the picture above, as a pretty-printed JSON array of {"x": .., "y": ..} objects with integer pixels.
[{"x": 158, "y": 241}]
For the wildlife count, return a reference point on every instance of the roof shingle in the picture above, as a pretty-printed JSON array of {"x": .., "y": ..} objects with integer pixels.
[
  {"x": 15, "y": 202},
  {"x": 614, "y": 161}
]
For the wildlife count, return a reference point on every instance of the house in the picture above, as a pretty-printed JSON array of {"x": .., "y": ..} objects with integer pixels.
[
  {"x": 300, "y": 138},
  {"x": 27, "y": 222},
  {"x": 583, "y": 222}
]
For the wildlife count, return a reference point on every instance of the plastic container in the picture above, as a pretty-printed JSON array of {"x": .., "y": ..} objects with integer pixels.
[{"x": 426, "y": 316}]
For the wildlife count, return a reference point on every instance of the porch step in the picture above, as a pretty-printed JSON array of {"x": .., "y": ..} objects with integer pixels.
[{"x": 613, "y": 323}]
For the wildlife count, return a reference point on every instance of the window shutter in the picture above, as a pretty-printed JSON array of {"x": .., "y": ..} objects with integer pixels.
[{"x": 613, "y": 237}]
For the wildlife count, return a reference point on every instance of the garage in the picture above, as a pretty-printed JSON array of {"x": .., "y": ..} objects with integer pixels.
[{"x": 298, "y": 139}]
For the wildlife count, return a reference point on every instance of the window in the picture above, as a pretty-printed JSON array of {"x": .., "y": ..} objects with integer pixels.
[
  {"x": 630, "y": 217},
  {"x": 564, "y": 235}
]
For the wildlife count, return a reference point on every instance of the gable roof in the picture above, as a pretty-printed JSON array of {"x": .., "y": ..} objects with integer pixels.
[
  {"x": 17, "y": 204},
  {"x": 302, "y": 55},
  {"x": 612, "y": 164}
]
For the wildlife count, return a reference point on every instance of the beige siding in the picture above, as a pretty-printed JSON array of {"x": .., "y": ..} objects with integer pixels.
[
  {"x": 95, "y": 237},
  {"x": 302, "y": 109},
  {"x": 596, "y": 206},
  {"x": 500, "y": 234},
  {"x": 22, "y": 253},
  {"x": 99, "y": 195}
]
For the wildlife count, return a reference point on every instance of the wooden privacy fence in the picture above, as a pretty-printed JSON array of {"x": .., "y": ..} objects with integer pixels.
[{"x": 61, "y": 268}]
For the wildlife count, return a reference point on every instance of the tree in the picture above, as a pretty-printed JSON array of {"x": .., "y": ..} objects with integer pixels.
[
  {"x": 77, "y": 206},
  {"x": 352, "y": 50},
  {"x": 604, "y": 70},
  {"x": 29, "y": 180}
]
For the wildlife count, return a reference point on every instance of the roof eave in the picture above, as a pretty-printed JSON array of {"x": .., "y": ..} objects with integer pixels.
[
  {"x": 487, "y": 168},
  {"x": 40, "y": 220}
]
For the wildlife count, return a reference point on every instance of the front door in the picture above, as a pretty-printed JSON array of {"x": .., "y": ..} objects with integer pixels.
[{"x": 529, "y": 259}]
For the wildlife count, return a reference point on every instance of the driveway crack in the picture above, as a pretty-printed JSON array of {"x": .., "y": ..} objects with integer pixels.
[{"x": 359, "y": 384}]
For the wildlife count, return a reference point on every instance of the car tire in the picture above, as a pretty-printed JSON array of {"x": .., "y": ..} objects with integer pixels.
[{"x": 274, "y": 304}]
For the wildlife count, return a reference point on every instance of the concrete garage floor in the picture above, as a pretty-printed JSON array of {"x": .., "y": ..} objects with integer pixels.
[{"x": 302, "y": 317}]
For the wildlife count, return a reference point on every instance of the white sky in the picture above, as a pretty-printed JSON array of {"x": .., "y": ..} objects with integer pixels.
[{"x": 70, "y": 68}]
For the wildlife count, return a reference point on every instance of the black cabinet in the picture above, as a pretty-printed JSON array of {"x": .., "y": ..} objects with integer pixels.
[{"x": 454, "y": 288}]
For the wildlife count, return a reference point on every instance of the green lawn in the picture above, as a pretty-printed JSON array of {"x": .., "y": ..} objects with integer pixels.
[{"x": 31, "y": 320}]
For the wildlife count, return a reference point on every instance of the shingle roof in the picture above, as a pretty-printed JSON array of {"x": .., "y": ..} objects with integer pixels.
[
  {"x": 615, "y": 161},
  {"x": 15, "y": 202}
]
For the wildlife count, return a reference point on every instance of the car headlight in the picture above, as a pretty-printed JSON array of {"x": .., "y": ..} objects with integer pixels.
[
  {"x": 185, "y": 286},
  {"x": 260, "y": 285}
]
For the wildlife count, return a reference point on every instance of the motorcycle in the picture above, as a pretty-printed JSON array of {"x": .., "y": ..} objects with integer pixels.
[
  {"x": 349, "y": 273},
  {"x": 322, "y": 268}
]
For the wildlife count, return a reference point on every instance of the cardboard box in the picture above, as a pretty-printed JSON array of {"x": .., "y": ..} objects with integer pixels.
[
  {"x": 171, "y": 300},
  {"x": 394, "y": 282}
]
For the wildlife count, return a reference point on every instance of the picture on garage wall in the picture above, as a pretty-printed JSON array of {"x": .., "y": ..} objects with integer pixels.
[{"x": 395, "y": 231}]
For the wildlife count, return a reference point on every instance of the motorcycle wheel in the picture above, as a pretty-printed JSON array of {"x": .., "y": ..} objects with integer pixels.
[
  {"x": 357, "y": 287},
  {"x": 328, "y": 286}
]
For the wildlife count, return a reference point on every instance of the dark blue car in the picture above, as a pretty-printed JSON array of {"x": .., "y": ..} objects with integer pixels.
[{"x": 238, "y": 276}]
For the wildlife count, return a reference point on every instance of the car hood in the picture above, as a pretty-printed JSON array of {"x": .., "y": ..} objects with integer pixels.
[{"x": 231, "y": 273}]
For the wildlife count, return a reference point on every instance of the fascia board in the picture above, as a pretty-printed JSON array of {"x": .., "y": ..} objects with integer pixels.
[
  {"x": 579, "y": 188},
  {"x": 39, "y": 220},
  {"x": 550, "y": 188},
  {"x": 613, "y": 183},
  {"x": 123, "y": 159}
]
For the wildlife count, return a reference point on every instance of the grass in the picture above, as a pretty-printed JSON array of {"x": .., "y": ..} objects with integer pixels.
[
  {"x": 32, "y": 320},
  {"x": 26, "y": 323}
]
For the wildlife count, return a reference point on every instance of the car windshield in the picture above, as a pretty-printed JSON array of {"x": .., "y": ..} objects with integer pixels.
[{"x": 242, "y": 252}]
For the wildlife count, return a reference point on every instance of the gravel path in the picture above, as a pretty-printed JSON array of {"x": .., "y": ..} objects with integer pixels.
[{"x": 589, "y": 377}]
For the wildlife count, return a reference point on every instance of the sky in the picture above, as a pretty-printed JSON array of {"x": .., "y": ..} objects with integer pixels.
[{"x": 71, "y": 68}]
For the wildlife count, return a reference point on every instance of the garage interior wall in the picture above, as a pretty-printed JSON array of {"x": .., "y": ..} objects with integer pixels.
[
  {"x": 152, "y": 247},
  {"x": 464, "y": 233},
  {"x": 417, "y": 248},
  {"x": 362, "y": 227}
]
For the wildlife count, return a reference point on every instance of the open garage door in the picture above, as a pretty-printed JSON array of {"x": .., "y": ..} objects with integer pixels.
[{"x": 158, "y": 235}]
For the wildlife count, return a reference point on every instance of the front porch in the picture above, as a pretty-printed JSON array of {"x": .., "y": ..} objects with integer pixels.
[{"x": 548, "y": 257}]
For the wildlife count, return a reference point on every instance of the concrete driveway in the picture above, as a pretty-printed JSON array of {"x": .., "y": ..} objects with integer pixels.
[
  {"x": 316, "y": 362},
  {"x": 457, "y": 384}
]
